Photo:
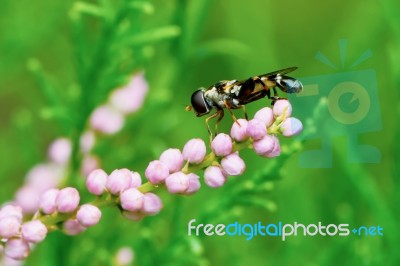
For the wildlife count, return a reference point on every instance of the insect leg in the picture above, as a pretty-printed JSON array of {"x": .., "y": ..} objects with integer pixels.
[
  {"x": 245, "y": 113},
  {"x": 276, "y": 97},
  {"x": 217, "y": 113},
  {"x": 220, "y": 112},
  {"x": 228, "y": 106}
]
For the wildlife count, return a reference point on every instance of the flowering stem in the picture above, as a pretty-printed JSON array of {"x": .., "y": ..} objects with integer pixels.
[
  {"x": 211, "y": 157},
  {"x": 147, "y": 187}
]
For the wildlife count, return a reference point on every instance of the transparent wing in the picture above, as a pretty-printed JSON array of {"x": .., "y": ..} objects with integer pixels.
[{"x": 282, "y": 72}]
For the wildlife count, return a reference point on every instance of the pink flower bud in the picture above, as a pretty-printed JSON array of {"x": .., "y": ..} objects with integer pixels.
[
  {"x": 107, "y": 120},
  {"x": 233, "y": 164},
  {"x": 44, "y": 176},
  {"x": 7, "y": 261},
  {"x": 291, "y": 126},
  {"x": 48, "y": 201},
  {"x": 11, "y": 210},
  {"x": 194, "y": 183},
  {"x": 67, "y": 200},
  {"x": 124, "y": 256},
  {"x": 16, "y": 249},
  {"x": 194, "y": 151},
  {"x": 119, "y": 180},
  {"x": 173, "y": 159},
  {"x": 96, "y": 182},
  {"x": 239, "y": 132},
  {"x": 73, "y": 227},
  {"x": 34, "y": 231},
  {"x": 89, "y": 164},
  {"x": 28, "y": 198},
  {"x": 214, "y": 177},
  {"x": 136, "y": 180},
  {"x": 9, "y": 226},
  {"x": 276, "y": 151},
  {"x": 132, "y": 199},
  {"x": 282, "y": 106},
  {"x": 133, "y": 216},
  {"x": 222, "y": 145},
  {"x": 152, "y": 204},
  {"x": 156, "y": 172},
  {"x": 60, "y": 151},
  {"x": 88, "y": 215},
  {"x": 266, "y": 146},
  {"x": 177, "y": 183},
  {"x": 87, "y": 141},
  {"x": 256, "y": 129},
  {"x": 265, "y": 115},
  {"x": 131, "y": 97}
]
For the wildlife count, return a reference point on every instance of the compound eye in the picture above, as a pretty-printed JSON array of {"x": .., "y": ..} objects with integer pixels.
[
  {"x": 199, "y": 104},
  {"x": 290, "y": 85}
]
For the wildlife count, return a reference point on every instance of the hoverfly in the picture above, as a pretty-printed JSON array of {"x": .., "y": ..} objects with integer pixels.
[{"x": 235, "y": 94}]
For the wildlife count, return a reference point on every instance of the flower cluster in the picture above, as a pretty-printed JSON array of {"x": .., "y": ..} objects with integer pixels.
[
  {"x": 54, "y": 205},
  {"x": 44, "y": 176},
  {"x": 175, "y": 170},
  {"x": 109, "y": 118},
  {"x": 122, "y": 187}
]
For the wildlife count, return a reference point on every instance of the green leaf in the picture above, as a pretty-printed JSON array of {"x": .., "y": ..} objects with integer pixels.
[
  {"x": 86, "y": 8},
  {"x": 47, "y": 89},
  {"x": 152, "y": 36},
  {"x": 145, "y": 7}
]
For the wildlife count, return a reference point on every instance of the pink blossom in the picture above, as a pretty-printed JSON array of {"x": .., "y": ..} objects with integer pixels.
[
  {"x": 119, "y": 180},
  {"x": 177, "y": 183},
  {"x": 9, "y": 226},
  {"x": 265, "y": 115},
  {"x": 256, "y": 129},
  {"x": 60, "y": 151},
  {"x": 124, "y": 256},
  {"x": 28, "y": 198},
  {"x": 132, "y": 200},
  {"x": 152, "y": 204},
  {"x": 11, "y": 210},
  {"x": 34, "y": 231},
  {"x": 233, "y": 164},
  {"x": 16, "y": 249},
  {"x": 194, "y": 183},
  {"x": 194, "y": 151},
  {"x": 173, "y": 159},
  {"x": 73, "y": 227},
  {"x": 214, "y": 176},
  {"x": 156, "y": 172},
  {"x": 88, "y": 215},
  {"x": 131, "y": 97},
  {"x": 48, "y": 201},
  {"x": 282, "y": 106},
  {"x": 87, "y": 141},
  {"x": 67, "y": 200},
  {"x": 291, "y": 126},
  {"x": 96, "y": 182},
  {"x": 89, "y": 163},
  {"x": 239, "y": 131},
  {"x": 107, "y": 120},
  {"x": 222, "y": 144}
]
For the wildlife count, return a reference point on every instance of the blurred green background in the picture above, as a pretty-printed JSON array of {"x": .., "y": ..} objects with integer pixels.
[{"x": 85, "y": 49}]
